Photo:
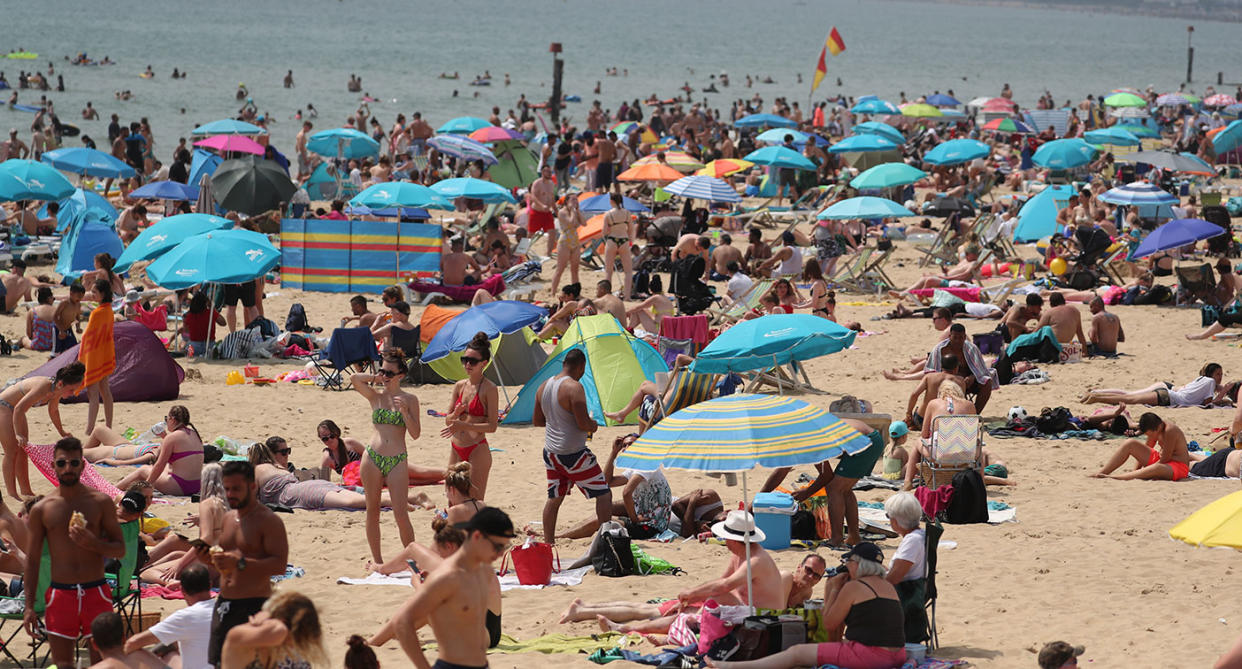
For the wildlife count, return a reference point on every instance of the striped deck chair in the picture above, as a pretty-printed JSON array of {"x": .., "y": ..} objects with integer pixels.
[
  {"x": 749, "y": 301},
  {"x": 956, "y": 445},
  {"x": 689, "y": 388},
  {"x": 849, "y": 275}
]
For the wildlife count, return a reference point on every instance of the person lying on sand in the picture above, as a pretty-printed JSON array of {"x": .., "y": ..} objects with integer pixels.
[
  {"x": 1205, "y": 390},
  {"x": 961, "y": 275},
  {"x": 1169, "y": 462}
]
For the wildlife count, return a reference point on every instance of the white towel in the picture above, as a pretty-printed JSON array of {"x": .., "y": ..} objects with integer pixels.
[
  {"x": 507, "y": 582},
  {"x": 401, "y": 578}
]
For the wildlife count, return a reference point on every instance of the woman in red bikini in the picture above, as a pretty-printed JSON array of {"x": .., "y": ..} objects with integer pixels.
[{"x": 473, "y": 414}]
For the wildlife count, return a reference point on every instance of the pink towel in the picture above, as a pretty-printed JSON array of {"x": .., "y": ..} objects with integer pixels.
[
  {"x": 693, "y": 328},
  {"x": 934, "y": 501},
  {"x": 161, "y": 591},
  {"x": 968, "y": 293},
  {"x": 494, "y": 284},
  {"x": 41, "y": 456}
]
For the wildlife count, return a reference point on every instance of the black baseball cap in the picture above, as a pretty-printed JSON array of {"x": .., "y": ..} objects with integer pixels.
[
  {"x": 491, "y": 521},
  {"x": 865, "y": 551}
]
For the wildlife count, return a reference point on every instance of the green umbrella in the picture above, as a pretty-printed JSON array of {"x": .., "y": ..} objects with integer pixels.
[
  {"x": 517, "y": 166},
  {"x": 1124, "y": 100},
  {"x": 251, "y": 185}
]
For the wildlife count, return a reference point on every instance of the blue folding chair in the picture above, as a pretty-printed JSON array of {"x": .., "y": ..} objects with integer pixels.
[{"x": 348, "y": 347}]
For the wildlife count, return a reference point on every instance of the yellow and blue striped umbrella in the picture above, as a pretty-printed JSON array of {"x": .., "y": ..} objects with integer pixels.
[{"x": 737, "y": 433}]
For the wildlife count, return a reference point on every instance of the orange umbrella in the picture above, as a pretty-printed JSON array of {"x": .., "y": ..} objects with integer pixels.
[
  {"x": 724, "y": 167},
  {"x": 678, "y": 160},
  {"x": 593, "y": 228},
  {"x": 650, "y": 172}
]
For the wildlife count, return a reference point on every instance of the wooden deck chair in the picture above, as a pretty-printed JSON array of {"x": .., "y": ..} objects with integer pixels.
[
  {"x": 1000, "y": 292},
  {"x": 750, "y": 300},
  {"x": 849, "y": 275},
  {"x": 592, "y": 254},
  {"x": 956, "y": 445},
  {"x": 1113, "y": 263},
  {"x": 991, "y": 237},
  {"x": 937, "y": 250},
  {"x": 688, "y": 388},
  {"x": 874, "y": 273},
  {"x": 785, "y": 378}
]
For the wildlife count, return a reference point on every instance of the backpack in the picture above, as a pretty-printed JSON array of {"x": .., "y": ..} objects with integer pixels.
[
  {"x": 611, "y": 554},
  {"x": 1053, "y": 421},
  {"x": 266, "y": 326},
  {"x": 969, "y": 503},
  {"x": 296, "y": 320}
]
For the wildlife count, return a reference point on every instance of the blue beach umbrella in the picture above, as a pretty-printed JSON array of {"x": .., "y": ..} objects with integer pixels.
[
  {"x": 463, "y": 147},
  {"x": 202, "y": 163},
  {"x": 463, "y": 125},
  {"x": 399, "y": 194},
  {"x": 777, "y": 136},
  {"x": 474, "y": 189},
  {"x": 82, "y": 207},
  {"x": 1228, "y": 139},
  {"x": 166, "y": 234},
  {"x": 882, "y": 129},
  {"x": 765, "y": 121},
  {"x": 228, "y": 126},
  {"x": 1112, "y": 137},
  {"x": 875, "y": 106},
  {"x": 343, "y": 143},
  {"x": 887, "y": 175},
  {"x": 492, "y": 319},
  {"x": 91, "y": 162},
  {"x": 28, "y": 180},
  {"x": 768, "y": 341},
  {"x": 780, "y": 156},
  {"x": 1038, "y": 217},
  {"x": 597, "y": 204},
  {"x": 1139, "y": 193},
  {"x": 942, "y": 100},
  {"x": 703, "y": 188},
  {"x": 862, "y": 144},
  {"x": 956, "y": 152},
  {"x": 1176, "y": 234},
  {"x": 864, "y": 207},
  {"x": 165, "y": 190},
  {"x": 1064, "y": 154},
  {"x": 221, "y": 256},
  {"x": 1140, "y": 131}
]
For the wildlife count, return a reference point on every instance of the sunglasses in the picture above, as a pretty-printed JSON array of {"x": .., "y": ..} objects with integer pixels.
[
  {"x": 283, "y": 451},
  {"x": 815, "y": 574},
  {"x": 467, "y": 361},
  {"x": 75, "y": 463},
  {"x": 326, "y": 439},
  {"x": 388, "y": 373},
  {"x": 499, "y": 546}
]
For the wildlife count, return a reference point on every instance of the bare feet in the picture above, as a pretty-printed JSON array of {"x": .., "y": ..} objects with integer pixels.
[
  {"x": 891, "y": 375},
  {"x": 571, "y": 614},
  {"x": 1086, "y": 398},
  {"x": 606, "y": 625},
  {"x": 618, "y": 417},
  {"x": 656, "y": 639},
  {"x": 422, "y": 500},
  {"x": 372, "y": 567},
  {"x": 1099, "y": 475}
]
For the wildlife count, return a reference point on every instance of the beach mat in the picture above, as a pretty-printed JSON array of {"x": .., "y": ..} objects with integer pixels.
[{"x": 41, "y": 456}]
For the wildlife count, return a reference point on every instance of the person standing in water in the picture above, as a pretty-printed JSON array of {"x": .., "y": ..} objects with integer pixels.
[{"x": 394, "y": 413}]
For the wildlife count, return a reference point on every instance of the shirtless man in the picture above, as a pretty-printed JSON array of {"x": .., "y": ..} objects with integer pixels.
[
  {"x": 607, "y": 152},
  {"x": 542, "y": 212},
  {"x": 81, "y": 529},
  {"x": 420, "y": 131},
  {"x": 1169, "y": 462},
  {"x": 605, "y": 301},
  {"x": 1020, "y": 314},
  {"x": 359, "y": 312},
  {"x": 67, "y": 315},
  {"x": 457, "y": 266},
  {"x": 13, "y": 147},
  {"x": 17, "y": 286},
  {"x": 766, "y": 586},
  {"x": 453, "y": 599},
  {"x": 929, "y": 389},
  {"x": 757, "y": 250},
  {"x": 299, "y": 146},
  {"x": 1064, "y": 319},
  {"x": 108, "y": 642},
  {"x": 254, "y": 549},
  {"x": 722, "y": 255},
  {"x": 1105, "y": 331},
  {"x": 799, "y": 584},
  {"x": 130, "y": 220}
]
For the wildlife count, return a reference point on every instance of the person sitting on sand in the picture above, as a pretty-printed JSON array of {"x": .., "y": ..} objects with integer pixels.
[
  {"x": 649, "y": 313},
  {"x": 757, "y": 251},
  {"x": 178, "y": 462},
  {"x": 41, "y": 322},
  {"x": 644, "y": 504},
  {"x": 862, "y": 607},
  {"x": 1105, "y": 331},
  {"x": 1064, "y": 319},
  {"x": 1169, "y": 462},
  {"x": 1204, "y": 391},
  {"x": 732, "y": 588},
  {"x": 171, "y": 556},
  {"x": 458, "y": 268},
  {"x": 338, "y": 451},
  {"x": 15, "y": 401},
  {"x": 961, "y": 275},
  {"x": 1019, "y": 316},
  {"x": 981, "y": 380},
  {"x": 277, "y": 485},
  {"x": 572, "y": 306},
  {"x": 107, "y": 638}
]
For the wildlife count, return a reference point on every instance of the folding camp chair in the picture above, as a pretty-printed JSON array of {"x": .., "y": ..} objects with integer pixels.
[
  {"x": 347, "y": 347},
  {"x": 934, "y": 530},
  {"x": 1196, "y": 282},
  {"x": 14, "y": 615},
  {"x": 1112, "y": 264},
  {"x": 956, "y": 445},
  {"x": 127, "y": 593},
  {"x": 411, "y": 344}
]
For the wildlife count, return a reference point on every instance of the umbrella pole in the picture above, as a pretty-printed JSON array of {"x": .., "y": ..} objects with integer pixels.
[
  {"x": 504, "y": 389},
  {"x": 211, "y": 318},
  {"x": 750, "y": 596}
]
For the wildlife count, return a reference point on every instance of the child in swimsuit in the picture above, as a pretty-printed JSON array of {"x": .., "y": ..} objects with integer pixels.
[
  {"x": 468, "y": 422},
  {"x": 385, "y": 460}
]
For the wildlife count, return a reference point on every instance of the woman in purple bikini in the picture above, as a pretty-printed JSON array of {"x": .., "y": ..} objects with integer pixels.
[{"x": 179, "y": 461}]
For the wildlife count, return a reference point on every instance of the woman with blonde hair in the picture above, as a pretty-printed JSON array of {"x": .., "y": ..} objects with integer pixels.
[
  {"x": 175, "y": 552},
  {"x": 285, "y": 634}
]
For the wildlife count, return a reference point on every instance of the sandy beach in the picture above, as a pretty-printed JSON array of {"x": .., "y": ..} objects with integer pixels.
[{"x": 1089, "y": 561}]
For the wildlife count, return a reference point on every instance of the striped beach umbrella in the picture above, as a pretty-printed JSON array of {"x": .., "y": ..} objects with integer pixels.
[
  {"x": 703, "y": 188},
  {"x": 1139, "y": 193},
  {"x": 737, "y": 433},
  {"x": 1008, "y": 126},
  {"x": 1172, "y": 100},
  {"x": 650, "y": 172},
  {"x": 463, "y": 147},
  {"x": 724, "y": 167},
  {"x": 678, "y": 160}
]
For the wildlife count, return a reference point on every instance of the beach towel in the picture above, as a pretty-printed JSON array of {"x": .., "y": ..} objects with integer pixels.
[
  {"x": 401, "y": 578},
  {"x": 97, "y": 351},
  {"x": 41, "y": 456},
  {"x": 161, "y": 591},
  {"x": 693, "y": 328},
  {"x": 967, "y": 293},
  {"x": 561, "y": 643},
  {"x": 494, "y": 285},
  {"x": 507, "y": 582}
]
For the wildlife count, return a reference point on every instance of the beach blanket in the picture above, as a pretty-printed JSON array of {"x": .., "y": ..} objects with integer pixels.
[
  {"x": 998, "y": 512},
  {"x": 41, "y": 456},
  {"x": 507, "y": 582},
  {"x": 97, "y": 350},
  {"x": 401, "y": 578},
  {"x": 967, "y": 293},
  {"x": 928, "y": 663},
  {"x": 493, "y": 284}
]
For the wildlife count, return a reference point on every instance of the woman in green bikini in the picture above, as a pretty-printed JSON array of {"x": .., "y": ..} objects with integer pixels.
[{"x": 394, "y": 413}]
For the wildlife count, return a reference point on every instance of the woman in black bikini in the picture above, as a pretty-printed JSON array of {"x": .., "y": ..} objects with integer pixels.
[
  {"x": 15, "y": 401},
  {"x": 338, "y": 451},
  {"x": 469, "y": 421},
  {"x": 823, "y": 302},
  {"x": 618, "y": 231}
]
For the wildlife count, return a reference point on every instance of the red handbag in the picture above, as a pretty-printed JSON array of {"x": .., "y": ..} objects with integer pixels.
[{"x": 533, "y": 563}]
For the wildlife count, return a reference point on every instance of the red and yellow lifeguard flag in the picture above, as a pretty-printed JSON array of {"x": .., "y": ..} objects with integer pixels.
[{"x": 833, "y": 45}]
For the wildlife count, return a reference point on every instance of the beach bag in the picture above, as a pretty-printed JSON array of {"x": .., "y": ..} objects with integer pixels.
[
  {"x": 532, "y": 561},
  {"x": 990, "y": 343},
  {"x": 266, "y": 327},
  {"x": 969, "y": 503},
  {"x": 1053, "y": 421},
  {"x": 711, "y": 627},
  {"x": 761, "y": 636},
  {"x": 645, "y": 564},
  {"x": 296, "y": 320},
  {"x": 802, "y": 526},
  {"x": 611, "y": 554}
]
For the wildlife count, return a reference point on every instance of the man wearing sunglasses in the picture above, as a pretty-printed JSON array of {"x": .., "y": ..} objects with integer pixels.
[
  {"x": 453, "y": 599},
  {"x": 81, "y": 530},
  {"x": 800, "y": 583}
]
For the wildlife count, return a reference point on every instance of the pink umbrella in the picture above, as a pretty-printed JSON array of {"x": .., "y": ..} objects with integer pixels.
[
  {"x": 493, "y": 133},
  {"x": 998, "y": 106},
  {"x": 237, "y": 143},
  {"x": 1220, "y": 100}
]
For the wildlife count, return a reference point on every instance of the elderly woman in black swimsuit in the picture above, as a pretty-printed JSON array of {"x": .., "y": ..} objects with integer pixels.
[{"x": 15, "y": 401}]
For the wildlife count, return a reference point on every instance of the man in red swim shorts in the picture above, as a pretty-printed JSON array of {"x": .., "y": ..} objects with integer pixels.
[
  {"x": 1169, "y": 462},
  {"x": 81, "y": 529},
  {"x": 540, "y": 214}
]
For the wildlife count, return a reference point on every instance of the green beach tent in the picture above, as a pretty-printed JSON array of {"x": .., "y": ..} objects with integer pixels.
[
  {"x": 617, "y": 363},
  {"x": 517, "y": 166}
]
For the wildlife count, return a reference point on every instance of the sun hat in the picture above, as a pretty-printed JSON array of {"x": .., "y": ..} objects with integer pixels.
[
  {"x": 898, "y": 429},
  {"x": 738, "y": 526}
]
